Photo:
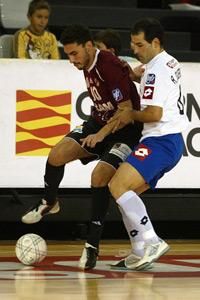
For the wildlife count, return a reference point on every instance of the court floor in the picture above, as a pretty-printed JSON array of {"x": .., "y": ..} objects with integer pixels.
[{"x": 175, "y": 276}]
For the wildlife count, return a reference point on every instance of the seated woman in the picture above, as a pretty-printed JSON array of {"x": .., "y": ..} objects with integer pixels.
[{"x": 34, "y": 41}]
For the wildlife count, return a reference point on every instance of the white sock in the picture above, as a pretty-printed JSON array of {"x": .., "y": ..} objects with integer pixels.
[
  {"x": 137, "y": 246},
  {"x": 136, "y": 221}
]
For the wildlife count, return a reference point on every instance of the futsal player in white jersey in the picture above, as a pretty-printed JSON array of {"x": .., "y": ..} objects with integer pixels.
[{"x": 161, "y": 146}]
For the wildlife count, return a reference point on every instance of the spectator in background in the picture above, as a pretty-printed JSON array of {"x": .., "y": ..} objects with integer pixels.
[
  {"x": 108, "y": 40},
  {"x": 35, "y": 42}
]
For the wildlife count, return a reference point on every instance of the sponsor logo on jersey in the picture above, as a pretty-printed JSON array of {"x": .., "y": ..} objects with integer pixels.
[
  {"x": 177, "y": 76},
  {"x": 174, "y": 80},
  {"x": 172, "y": 63},
  {"x": 148, "y": 92},
  {"x": 178, "y": 73},
  {"x": 150, "y": 78},
  {"x": 117, "y": 95},
  {"x": 141, "y": 152}
]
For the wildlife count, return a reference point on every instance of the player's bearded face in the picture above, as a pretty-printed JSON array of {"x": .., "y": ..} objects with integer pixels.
[
  {"x": 84, "y": 62},
  {"x": 78, "y": 55},
  {"x": 143, "y": 50}
]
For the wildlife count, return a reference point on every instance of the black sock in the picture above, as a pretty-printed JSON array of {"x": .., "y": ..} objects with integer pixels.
[
  {"x": 52, "y": 178},
  {"x": 100, "y": 204}
]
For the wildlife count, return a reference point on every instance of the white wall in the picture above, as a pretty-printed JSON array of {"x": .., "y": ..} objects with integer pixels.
[
  {"x": 41, "y": 78},
  {"x": 13, "y": 13}
]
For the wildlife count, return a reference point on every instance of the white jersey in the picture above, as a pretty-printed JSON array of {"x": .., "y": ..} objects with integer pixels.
[{"x": 160, "y": 86}]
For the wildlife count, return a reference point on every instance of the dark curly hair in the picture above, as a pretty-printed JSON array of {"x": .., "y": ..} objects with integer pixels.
[
  {"x": 37, "y": 4},
  {"x": 151, "y": 27},
  {"x": 75, "y": 33}
]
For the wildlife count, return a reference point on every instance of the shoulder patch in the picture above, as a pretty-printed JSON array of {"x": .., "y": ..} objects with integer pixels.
[
  {"x": 172, "y": 63},
  {"x": 150, "y": 78},
  {"x": 117, "y": 95}
]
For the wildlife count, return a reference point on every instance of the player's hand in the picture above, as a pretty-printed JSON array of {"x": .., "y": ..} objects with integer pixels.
[
  {"x": 123, "y": 117},
  {"x": 92, "y": 139},
  {"x": 138, "y": 72}
]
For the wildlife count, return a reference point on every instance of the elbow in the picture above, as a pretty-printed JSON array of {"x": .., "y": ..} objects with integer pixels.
[
  {"x": 158, "y": 113},
  {"x": 157, "y": 116}
]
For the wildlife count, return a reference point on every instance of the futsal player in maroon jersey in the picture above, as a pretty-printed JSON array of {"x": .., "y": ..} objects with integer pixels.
[{"x": 110, "y": 89}]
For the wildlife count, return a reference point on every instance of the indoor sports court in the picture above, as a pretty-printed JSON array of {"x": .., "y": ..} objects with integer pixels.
[
  {"x": 42, "y": 100},
  {"x": 175, "y": 276}
]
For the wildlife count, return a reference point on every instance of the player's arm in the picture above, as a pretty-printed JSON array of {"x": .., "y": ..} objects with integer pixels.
[
  {"x": 92, "y": 139},
  {"x": 136, "y": 73},
  {"x": 108, "y": 128},
  {"x": 126, "y": 115}
]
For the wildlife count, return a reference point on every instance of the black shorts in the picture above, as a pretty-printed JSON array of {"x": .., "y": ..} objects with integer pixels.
[{"x": 115, "y": 148}]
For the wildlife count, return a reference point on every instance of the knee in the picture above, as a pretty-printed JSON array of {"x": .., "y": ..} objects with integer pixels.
[
  {"x": 116, "y": 188},
  {"x": 101, "y": 175},
  {"x": 55, "y": 157},
  {"x": 113, "y": 187},
  {"x": 97, "y": 179}
]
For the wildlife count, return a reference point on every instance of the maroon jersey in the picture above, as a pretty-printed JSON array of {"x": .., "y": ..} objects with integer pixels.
[{"x": 109, "y": 84}]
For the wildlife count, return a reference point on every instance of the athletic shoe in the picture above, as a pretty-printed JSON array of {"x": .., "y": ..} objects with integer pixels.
[
  {"x": 89, "y": 257},
  {"x": 152, "y": 253},
  {"x": 37, "y": 212},
  {"x": 128, "y": 263}
]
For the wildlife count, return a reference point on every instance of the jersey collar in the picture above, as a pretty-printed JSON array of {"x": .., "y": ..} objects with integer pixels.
[
  {"x": 157, "y": 57},
  {"x": 94, "y": 61}
]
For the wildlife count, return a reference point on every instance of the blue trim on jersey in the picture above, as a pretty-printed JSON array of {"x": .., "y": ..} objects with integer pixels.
[{"x": 155, "y": 156}]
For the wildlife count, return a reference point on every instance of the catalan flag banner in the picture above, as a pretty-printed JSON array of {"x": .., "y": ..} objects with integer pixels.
[{"x": 42, "y": 119}]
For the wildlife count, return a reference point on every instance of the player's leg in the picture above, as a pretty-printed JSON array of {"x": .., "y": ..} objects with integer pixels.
[
  {"x": 65, "y": 151},
  {"x": 139, "y": 227},
  {"x": 113, "y": 156},
  {"x": 131, "y": 177},
  {"x": 116, "y": 148},
  {"x": 135, "y": 216},
  {"x": 101, "y": 175}
]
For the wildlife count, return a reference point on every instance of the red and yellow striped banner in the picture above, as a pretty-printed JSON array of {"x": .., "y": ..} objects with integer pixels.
[{"x": 43, "y": 118}]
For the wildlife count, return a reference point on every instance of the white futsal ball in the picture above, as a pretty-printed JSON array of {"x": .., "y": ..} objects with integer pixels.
[{"x": 31, "y": 249}]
